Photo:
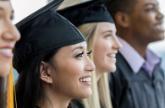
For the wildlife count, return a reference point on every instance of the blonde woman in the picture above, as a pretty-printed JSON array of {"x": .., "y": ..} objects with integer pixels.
[{"x": 94, "y": 21}]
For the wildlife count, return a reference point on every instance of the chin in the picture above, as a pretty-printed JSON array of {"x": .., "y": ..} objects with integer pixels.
[
  {"x": 85, "y": 94},
  {"x": 112, "y": 69},
  {"x": 159, "y": 36},
  {"x": 162, "y": 36},
  {"x": 4, "y": 69}
]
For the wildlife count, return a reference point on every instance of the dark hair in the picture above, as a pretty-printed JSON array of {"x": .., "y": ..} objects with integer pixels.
[
  {"x": 2, "y": 92},
  {"x": 29, "y": 89},
  {"x": 115, "y": 6}
]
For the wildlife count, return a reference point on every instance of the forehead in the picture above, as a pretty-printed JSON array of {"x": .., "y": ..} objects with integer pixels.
[
  {"x": 66, "y": 51},
  {"x": 74, "y": 47},
  {"x": 81, "y": 45},
  {"x": 106, "y": 26},
  {"x": 147, "y": 2},
  {"x": 5, "y": 5}
]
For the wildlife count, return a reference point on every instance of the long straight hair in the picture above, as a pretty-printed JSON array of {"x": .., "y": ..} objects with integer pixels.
[
  {"x": 29, "y": 87},
  {"x": 100, "y": 97},
  {"x": 3, "y": 92}
]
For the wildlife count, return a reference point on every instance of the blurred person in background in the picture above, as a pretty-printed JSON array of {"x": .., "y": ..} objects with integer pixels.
[
  {"x": 139, "y": 81},
  {"x": 9, "y": 35}
]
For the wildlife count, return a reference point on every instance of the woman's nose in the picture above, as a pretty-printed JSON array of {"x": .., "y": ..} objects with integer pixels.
[
  {"x": 11, "y": 33},
  {"x": 117, "y": 43},
  {"x": 90, "y": 66}
]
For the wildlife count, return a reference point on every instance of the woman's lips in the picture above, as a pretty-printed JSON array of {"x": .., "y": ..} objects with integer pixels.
[
  {"x": 86, "y": 80},
  {"x": 6, "y": 52}
]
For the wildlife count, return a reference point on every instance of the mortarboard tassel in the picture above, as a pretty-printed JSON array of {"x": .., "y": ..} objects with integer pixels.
[{"x": 10, "y": 89}]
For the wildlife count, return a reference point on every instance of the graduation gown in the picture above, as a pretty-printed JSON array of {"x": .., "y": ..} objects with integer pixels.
[
  {"x": 76, "y": 104},
  {"x": 130, "y": 90}
]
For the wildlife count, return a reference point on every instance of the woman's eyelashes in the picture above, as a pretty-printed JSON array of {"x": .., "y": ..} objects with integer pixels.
[
  {"x": 82, "y": 54},
  {"x": 79, "y": 55},
  {"x": 107, "y": 36},
  {"x": 12, "y": 17},
  {"x": 89, "y": 53}
]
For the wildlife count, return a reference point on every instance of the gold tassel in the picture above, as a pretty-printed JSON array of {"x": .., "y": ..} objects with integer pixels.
[{"x": 10, "y": 89}]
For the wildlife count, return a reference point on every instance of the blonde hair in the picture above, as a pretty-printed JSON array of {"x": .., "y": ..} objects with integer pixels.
[{"x": 100, "y": 97}]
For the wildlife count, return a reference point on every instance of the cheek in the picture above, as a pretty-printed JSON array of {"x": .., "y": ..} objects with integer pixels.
[
  {"x": 101, "y": 59},
  {"x": 146, "y": 21},
  {"x": 99, "y": 53},
  {"x": 75, "y": 67},
  {"x": 67, "y": 81},
  {"x": 69, "y": 72},
  {"x": 101, "y": 48},
  {"x": 1, "y": 25},
  {"x": 66, "y": 74}
]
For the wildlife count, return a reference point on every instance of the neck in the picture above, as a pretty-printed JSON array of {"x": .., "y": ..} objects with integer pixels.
[
  {"x": 139, "y": 45},
  {"x": 54, "y": 100},
  {"x": 99, "y": 74}
]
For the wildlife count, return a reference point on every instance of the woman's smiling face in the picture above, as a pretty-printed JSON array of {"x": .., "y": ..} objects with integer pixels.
[{"x": 8, "y": 36}]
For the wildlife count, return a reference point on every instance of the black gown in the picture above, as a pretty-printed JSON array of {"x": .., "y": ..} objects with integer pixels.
[
  {"x": 130, "y": 90},
  {"x": 76, "y": 104}
]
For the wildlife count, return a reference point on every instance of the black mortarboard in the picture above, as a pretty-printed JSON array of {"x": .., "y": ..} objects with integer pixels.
[
  {"x": 44, "y": 31},
  {"x": 91, "y": 11}
]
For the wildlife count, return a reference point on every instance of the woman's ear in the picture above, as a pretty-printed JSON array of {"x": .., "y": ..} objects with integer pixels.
[
  {"x": 122, "y": 19},
  {"x": 45, "y": 73}
]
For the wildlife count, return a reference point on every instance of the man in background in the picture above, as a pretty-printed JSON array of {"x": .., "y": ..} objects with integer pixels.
[{"x": 139, "y": 81}]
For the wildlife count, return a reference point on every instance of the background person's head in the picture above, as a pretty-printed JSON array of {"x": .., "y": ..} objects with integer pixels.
[
  {"x": 137, "y": 21},
  {"x": 99, "y": 29},
  {"x": 8, "y": 36},
  {"x": 101, "y": 38}
]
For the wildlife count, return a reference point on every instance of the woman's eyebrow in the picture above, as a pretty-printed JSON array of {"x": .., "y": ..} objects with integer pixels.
[
  {"x": 78, "y": 47},
  {"x": 109, "y": 31}
]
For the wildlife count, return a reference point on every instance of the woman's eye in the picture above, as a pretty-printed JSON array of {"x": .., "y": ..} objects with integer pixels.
[
  {"x": 79, "y": 55},
  {"x": 89, "y": 53},
  {"x": 11, "y": 17},
  {"x": 107, "y": 36}
]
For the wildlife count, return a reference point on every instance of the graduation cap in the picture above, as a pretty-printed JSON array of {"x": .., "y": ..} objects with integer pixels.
[
  {"x": 91, "y": 11},
  {"x": 42, "y": 32}
]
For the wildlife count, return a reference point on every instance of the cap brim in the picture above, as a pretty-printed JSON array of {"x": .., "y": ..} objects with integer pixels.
[
  {"x": 82, "y": 4},
  {"x": 87, "y": 12},
  {"x": 52, "y": 5}
]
